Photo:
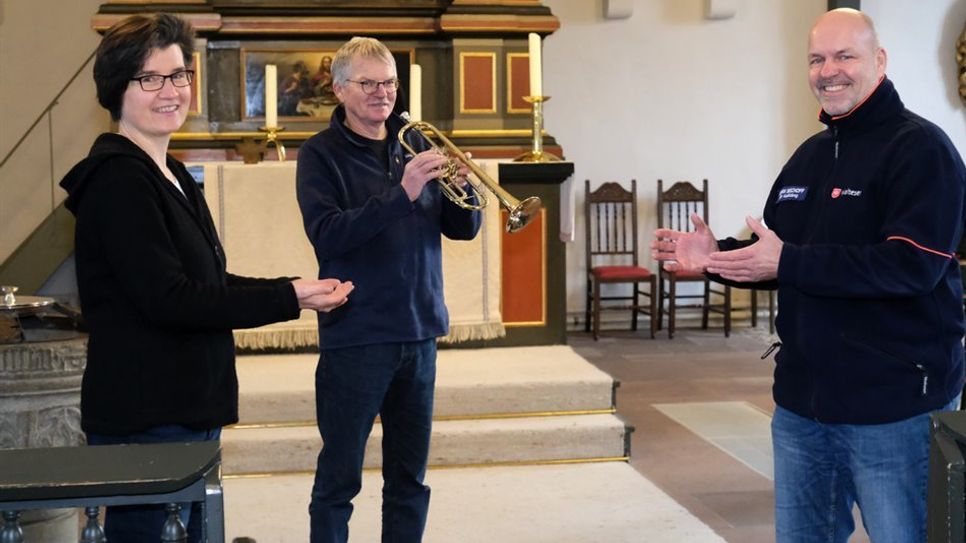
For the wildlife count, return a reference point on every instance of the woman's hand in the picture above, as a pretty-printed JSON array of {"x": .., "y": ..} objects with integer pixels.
[{"x": 322, "y": 294}]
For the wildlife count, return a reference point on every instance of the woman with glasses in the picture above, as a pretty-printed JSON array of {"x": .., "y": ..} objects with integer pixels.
[{"x": 155, "y": 294}]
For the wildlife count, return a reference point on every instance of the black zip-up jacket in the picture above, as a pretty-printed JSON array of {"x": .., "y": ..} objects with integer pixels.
[
  {"x": 870, "y": 294},
  {"x": 364, "y": 229},
  {"x": 156, "y": 296}
]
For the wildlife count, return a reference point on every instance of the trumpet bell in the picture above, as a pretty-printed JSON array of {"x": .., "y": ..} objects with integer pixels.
[{"x": 522, "y": 214}]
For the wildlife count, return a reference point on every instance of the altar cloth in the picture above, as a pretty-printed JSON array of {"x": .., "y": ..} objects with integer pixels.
[{"x": 260, "y": 226}]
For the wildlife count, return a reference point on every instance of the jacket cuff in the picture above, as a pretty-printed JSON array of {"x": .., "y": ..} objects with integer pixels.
[
  {"x": 788, "y": 264},
  {"x": 292, "y": 310}
]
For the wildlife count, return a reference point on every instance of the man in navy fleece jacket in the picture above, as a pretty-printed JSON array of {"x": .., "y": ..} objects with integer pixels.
[
  {"x": 863, "y": 222},
  {"x": 373, "y": 214}
]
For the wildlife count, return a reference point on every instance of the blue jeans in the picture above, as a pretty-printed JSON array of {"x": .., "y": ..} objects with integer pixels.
[
  {"x": 821, "y": 470},
  {"x": 352, "y": 386},
  {"x": 143, "y": 523}
]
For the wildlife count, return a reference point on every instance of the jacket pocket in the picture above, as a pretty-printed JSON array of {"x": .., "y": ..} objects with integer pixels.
[{"x": 903, "y": 361}]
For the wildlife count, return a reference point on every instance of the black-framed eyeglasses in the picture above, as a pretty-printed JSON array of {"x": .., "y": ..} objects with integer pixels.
[
  {"x": 154, "y": 82},
  {"x": 370, "y": 87}
]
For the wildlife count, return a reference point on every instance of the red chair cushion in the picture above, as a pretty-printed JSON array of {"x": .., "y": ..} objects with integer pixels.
[
  {"x": 687, "y": 275},
  {"x": 621, "y": 273}
]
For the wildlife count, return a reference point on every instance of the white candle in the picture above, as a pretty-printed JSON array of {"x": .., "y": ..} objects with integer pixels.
[
  {"x": 271, "y": 96},
  {"x": 416, "y": 92},
  {"x": 536, "y": 82}
]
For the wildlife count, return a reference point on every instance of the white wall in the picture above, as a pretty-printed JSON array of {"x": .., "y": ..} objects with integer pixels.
[
  {"x": 42, "y": 44},
  {"x": 668, "y": 94},
  {"x": 920, "y": 39}
]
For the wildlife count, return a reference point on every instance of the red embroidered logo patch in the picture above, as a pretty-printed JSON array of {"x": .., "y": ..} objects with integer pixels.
[{"x": 836, "y": 192}]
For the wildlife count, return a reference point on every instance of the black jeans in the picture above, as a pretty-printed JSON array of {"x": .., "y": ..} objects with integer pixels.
[{"x": 352, "y": 386}]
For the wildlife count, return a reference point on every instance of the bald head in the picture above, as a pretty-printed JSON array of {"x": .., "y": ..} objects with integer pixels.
[
  {"x": 847, "y": 20},
  {"x": 846, "y": 62}
]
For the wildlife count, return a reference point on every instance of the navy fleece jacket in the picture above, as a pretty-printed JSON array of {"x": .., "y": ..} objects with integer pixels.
[
  {"x": 364, "y": 229},
  {"x": 870, "y": 294}
]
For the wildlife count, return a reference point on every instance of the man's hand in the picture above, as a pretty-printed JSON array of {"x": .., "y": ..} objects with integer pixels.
[
  {"x": 463, "y": 171},
  {"x": 420, "y": 170},
  {"x": 322, "y": 294},
  {"x": 756, "y": 262},
  {"x": 687, "y": 251}
]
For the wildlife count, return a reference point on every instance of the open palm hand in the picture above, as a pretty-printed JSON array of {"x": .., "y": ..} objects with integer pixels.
[{"x": 684, "y": 251}]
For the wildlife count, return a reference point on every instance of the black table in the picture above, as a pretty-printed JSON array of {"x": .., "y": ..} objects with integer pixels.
[{"x": 56, "y": 477}]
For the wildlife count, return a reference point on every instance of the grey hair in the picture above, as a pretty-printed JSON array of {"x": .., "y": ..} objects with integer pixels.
[{"x": 358, "y": 47}]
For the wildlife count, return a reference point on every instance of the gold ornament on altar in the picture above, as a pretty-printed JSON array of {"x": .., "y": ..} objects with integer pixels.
[{"x": 961, "y": 59}]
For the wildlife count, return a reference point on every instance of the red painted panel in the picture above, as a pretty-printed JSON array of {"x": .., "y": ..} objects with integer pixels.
[
  {"x": 519, "y": 82},
  {"x": 524, "y": 286},
  {"x": 478, "y": 82}
]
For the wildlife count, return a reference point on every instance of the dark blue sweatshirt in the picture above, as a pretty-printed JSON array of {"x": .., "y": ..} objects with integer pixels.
[
  {"x": 364, "y": 229},
  {"x": 870, "y": 294}
]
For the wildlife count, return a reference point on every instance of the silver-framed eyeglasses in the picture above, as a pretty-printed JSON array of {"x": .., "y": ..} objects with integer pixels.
[
  {"x": 370, "y": 87},
  {"x": 154, "y": 82}
]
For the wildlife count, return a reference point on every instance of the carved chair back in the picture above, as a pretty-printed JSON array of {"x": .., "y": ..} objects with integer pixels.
[
  {"x": 610, "y": 214},
  {"x": 676, "y": 204}
]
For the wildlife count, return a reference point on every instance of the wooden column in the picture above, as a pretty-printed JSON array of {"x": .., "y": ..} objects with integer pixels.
[{"x": 535, "y": 260}]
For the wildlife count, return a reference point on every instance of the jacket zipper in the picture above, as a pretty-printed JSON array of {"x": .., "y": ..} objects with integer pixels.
[
  {"x": 826, "y": 185},
  {"x": 924, "y": 387},
  {"x": 814, "y": 227},
  {"x": 835, "y": 138}
]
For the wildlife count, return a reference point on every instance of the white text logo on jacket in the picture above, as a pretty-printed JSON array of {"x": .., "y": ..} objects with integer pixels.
[
  {"x": 836, "y": 192},
  {"x": 792, "y": 193}
]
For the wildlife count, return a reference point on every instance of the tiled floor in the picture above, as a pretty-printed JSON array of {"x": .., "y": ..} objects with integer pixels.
[{"x": 717, "y": 477}]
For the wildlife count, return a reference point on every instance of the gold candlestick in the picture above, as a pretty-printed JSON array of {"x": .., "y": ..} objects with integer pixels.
[
  {"x": 272, "y": 139},
  {"x": 536, "y": 153},
  {"x": 252, "y": 150}
]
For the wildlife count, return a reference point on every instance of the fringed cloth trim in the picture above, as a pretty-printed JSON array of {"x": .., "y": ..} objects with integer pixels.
[
  {"x": 471, "y": 332},
  {"x": 279, "y": 339},
  {"x": 298, "y": 338}
]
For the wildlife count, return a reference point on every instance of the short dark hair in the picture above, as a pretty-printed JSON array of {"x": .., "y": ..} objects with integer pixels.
[{"x": 125, "y": 48}]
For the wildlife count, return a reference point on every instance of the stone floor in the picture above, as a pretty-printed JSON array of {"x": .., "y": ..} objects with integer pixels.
[{"x": 727, "y": 494}]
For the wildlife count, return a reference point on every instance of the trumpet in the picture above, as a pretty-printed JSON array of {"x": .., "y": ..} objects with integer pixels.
[{"x": 520, "y": 213}]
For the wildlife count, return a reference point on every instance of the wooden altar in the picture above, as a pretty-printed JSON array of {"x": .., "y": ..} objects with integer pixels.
[{"x": 473, "y": 57}]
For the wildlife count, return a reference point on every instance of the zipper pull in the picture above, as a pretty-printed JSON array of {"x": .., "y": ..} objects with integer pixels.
[
  {"x": 835, "y": 138},
  {"x": 925, "y": 380},
  {"x": 771, "y": 348}
]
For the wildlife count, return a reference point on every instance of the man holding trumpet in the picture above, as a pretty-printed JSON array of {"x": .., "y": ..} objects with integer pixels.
[{"x": 372, "y": 214}]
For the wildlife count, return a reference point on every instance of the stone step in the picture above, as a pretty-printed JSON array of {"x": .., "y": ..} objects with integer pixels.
[
  {"x": 469, "y": 382},
  {"x": 529, "y": 440}
]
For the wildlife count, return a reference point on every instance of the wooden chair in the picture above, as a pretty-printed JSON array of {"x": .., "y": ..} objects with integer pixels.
[
  {"x": 674, "y": 208},
  {"x": 610, "y": 214},
  {"x": 771, "y": 308}
]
